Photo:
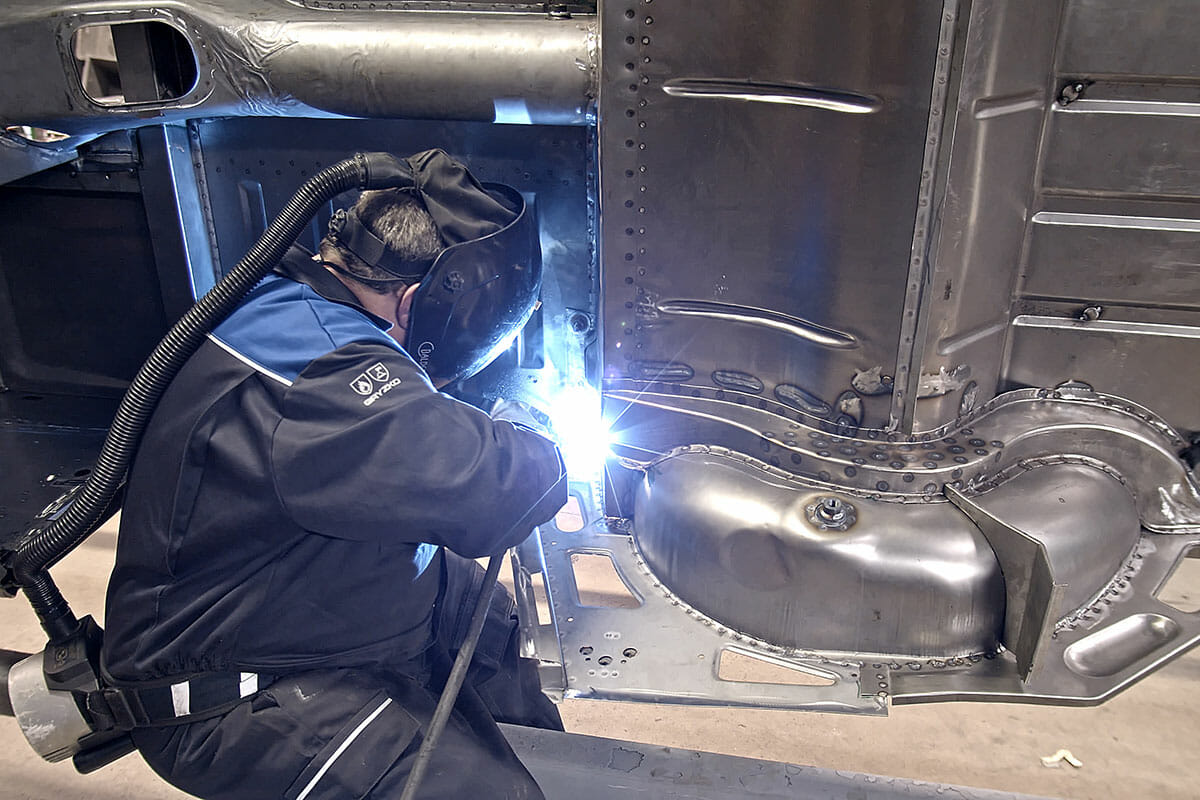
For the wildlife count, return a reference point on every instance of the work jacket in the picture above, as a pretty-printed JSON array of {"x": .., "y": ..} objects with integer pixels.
[{"x": 288, "y": 502}]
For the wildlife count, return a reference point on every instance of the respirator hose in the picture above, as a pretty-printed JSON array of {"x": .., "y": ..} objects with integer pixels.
[{"x": 33, "y": 558}]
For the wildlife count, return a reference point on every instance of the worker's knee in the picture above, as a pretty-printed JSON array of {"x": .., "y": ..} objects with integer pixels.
[{"x": 333, "y": 734}]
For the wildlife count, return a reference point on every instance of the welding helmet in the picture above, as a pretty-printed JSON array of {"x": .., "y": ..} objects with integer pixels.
[{"x": 481, "y": 290}]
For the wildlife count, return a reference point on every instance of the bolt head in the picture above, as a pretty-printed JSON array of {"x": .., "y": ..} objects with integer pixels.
[{"x": 831, "y": 513}]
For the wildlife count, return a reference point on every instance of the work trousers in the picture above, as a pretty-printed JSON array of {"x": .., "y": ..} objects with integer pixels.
[{"x": 355, "y": 733}]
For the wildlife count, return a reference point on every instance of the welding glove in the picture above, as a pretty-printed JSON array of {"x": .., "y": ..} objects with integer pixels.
[{"x": 521, "y": 414}]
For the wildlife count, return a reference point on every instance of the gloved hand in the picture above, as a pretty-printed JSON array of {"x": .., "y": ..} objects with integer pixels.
[{"x": 520, "y": 413}]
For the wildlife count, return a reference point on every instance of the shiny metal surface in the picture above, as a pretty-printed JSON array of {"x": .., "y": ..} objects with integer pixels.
[
  {"x": 1032, "y": 595},
  {"x": 1083, "y": 503},
  {"x": 766, "y": 92},
  {"x": 366, "y": 61},
  {"x": 20, "y": 158},
  {"x": 1085, "y": 520},
  {"x": 1005, "y": 436},
  {"x": 1132, "y": 259},
  {"x": 908, "y": 377},
  {"x": 736, "y": 542},
  {"x": 1141, "y": 359},
  {"x": 1112, "y": 222},
  {"x": 757, "y": 177},
  {"x": 1061, "y": 533},
  {"x": 519, "y": 68},
  {"x": 1089, "y": 655},
  {"x": 989, "y": 158},
  {"x": 829, "y": 513},
  {"x": 1071, "y": 490},
  {"x": 168, "y": 155},
  {"x": 1137, "y": 162},
  {"x": 661, "y": 650},
  {"x": 50, "y": 720},
  {"x": 1117, "y": 37}
]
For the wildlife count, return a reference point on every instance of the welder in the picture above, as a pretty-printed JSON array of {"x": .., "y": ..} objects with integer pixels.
[{"x": 293, "y": 567}]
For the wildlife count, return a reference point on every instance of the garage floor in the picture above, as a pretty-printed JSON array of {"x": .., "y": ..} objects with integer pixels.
[{"x": 1140, "y": 744}]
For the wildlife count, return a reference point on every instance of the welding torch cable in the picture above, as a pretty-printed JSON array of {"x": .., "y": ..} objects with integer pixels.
[
  {"x": 458, "y": 674},
  {"x": 466, "y": 651}
]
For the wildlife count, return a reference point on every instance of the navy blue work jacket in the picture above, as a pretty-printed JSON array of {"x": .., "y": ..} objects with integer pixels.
[{"x": 290, "y": 497}]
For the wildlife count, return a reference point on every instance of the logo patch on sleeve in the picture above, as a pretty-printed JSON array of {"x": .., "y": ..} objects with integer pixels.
[{"x": 374, "y": 383}]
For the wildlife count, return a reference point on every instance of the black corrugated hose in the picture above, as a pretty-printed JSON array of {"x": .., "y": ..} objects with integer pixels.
[{"x": 34, "y": 557}]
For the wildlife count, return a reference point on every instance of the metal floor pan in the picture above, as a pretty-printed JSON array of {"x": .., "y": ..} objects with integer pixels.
[{"x": 571, "y": 765}]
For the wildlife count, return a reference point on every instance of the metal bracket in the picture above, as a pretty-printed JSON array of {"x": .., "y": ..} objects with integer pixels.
[{"x": 1033, "y": 597}]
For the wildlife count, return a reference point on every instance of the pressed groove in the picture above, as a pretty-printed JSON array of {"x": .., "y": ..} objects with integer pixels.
[{"x": 794, "y": 94}]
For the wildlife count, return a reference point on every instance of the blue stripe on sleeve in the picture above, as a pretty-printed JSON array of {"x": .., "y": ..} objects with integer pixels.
[{"x": 284, "y": 326}]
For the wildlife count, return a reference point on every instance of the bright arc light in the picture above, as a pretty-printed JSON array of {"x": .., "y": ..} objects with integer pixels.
[
  {"x": 582, "y": 434},
  {"x": 501, "y": 347}
]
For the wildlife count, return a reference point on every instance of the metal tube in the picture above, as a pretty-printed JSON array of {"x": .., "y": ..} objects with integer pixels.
[
  {"x": 255, "y": 59},
  {"x": 506, "y": 68}
]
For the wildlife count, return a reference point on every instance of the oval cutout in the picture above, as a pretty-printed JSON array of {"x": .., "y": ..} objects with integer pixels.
[{"x": 134, "y": 63}]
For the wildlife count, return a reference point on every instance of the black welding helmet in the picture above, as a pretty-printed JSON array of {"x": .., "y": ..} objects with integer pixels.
[{"x": 481, "y": 290}]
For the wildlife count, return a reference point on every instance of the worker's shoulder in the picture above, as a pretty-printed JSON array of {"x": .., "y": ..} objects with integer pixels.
[{"x": 283, "y": 326}]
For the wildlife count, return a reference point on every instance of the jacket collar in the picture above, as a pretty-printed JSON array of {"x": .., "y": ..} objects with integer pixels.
[{"x": 298, "y": 265}]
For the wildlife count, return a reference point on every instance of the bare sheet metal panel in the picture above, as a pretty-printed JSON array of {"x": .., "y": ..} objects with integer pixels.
[
  {"x": 572, "y": 766},
  {"x": 759, "y": 169},
  {"x": 1149, "y": 37},
  {"x": 1003, "y": 92},
  {"x": 1110, "y": 289},
  {"x": 250, "y": 167},
  {"x": 697, "y": 505},
  {"x": 1102, "y": 148},
  {"x": 1140, "y": 258},
  {"x": 1151, "y": 362}
]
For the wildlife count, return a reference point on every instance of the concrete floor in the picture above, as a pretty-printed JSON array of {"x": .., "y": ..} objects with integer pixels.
[{"x": 1140, "y": 744}]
